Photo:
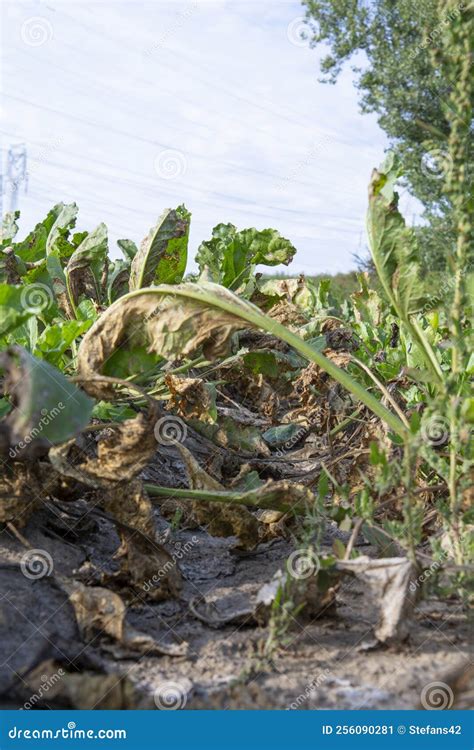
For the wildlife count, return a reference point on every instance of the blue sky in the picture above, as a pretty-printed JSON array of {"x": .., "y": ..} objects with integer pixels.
[{"x": 132, "y": 107}]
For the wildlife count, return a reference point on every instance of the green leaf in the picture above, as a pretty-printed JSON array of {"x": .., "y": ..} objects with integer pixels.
[
  {"x": 105, "y": 410},
  {"x": 14, "y": 310},
  {"x": 163, "y": 253},
  {"x": 229, "y": 433},
  {"x": 65, "y": 221},
  {"x": 39, "y": 294},
  {"x": 33, "y": 247},
  {"x": 48, "y": 409},
  {"x": 128, "y": 248},
  {"x": 393, "y": 245},
  {"x": 396, "y": 258},
  {"x": 272, "y": 364},
  {"x": 55, "y": 340},
  {"x": 230, "y": 256},
  {"x": 132, "y": 362},
  {"x": 5, "y": 407}
]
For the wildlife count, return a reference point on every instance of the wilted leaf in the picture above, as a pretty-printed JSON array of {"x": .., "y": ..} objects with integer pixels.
[
  {"x": 85, "y": 269},
  {"x": 300, "y": 292},
  {"x": 117, "y": 280},
  {"x": 234, "y": 432},
  {"x": 121, "y": 454},
  {"x": 128, "y": 504},
  {"x": 58, "y": 282},
  {"x": 311, "y": 597},
  {"x": 221, "y": 520},
  {"x": 390, "y": 579},
  {"x": 168, "y": 325},
  {"x": 49, "y": 684},
  {"x": 192, "y": 398},
  {"x": 146, "y": 570},
  {"x": 100, "y": 611},
  {"x": 12, "y": 267},
  {"x": 283, "y": 434},
  {"x": 162, "y": 256},
  {"x": 20, "y": 491},
  {"x": 97, "y": 610}
]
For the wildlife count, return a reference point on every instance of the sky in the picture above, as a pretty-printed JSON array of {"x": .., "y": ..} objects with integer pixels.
[{"x": 128, "y": 108}]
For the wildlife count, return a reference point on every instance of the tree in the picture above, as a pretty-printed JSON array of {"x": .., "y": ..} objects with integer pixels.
[{"x": 394, "y": 50}]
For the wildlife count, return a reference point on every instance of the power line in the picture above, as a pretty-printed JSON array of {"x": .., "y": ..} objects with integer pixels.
[{"x": 193, "y": 188}]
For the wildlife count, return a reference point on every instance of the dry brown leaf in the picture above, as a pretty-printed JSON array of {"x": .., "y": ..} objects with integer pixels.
[
  {"x": 121, "y": 454},
  {"x": 389, "y": 579},
  {"x": 190, "y": 397},
  {"x": 130, "y": 505},
  {"x": 20, "y": 494},
  {"x": 100, "y": 611},
  {"x": 147, "y": 569}
]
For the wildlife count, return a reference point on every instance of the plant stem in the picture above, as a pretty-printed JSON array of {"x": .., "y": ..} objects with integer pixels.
[{"x": 225, "y": 497}]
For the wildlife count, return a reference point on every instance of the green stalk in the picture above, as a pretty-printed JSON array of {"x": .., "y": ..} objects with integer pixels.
[
  {"x": 70, "y": 296},
  {"x": 213, "y": 496}
]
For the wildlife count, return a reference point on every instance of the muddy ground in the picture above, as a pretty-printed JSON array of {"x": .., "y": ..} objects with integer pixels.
[{"x": 323, "y": 664}]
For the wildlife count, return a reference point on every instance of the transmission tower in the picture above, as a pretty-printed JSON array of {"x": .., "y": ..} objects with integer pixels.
[{"x": 16, "y": 174}]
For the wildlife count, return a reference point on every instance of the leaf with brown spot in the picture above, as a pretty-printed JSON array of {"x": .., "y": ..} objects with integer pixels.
[{"x": 162, "y": 256}]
